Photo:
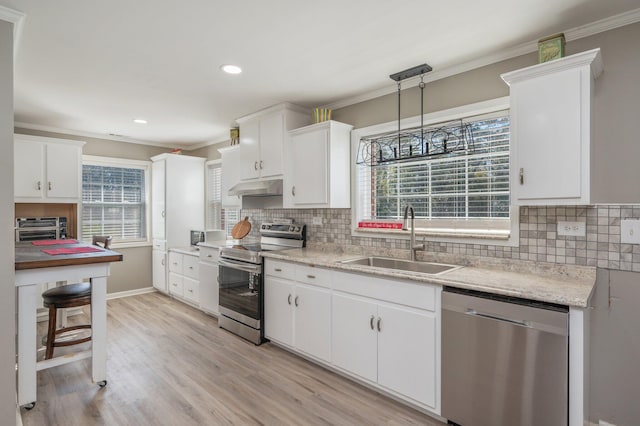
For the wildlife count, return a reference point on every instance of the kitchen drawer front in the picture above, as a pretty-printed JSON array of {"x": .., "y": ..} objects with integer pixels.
[
  {"x": 209, "y": 254},
  {"x": 314, "y": 276},
  {"x": 191, "y": 290},
  {"x": 175, "y": 262},
  {"x": 284, "y": 270},
  {"x": 402, "y": 292},
  {"x": 190, "y": 266},
  {"x": 176, "y": 284}
]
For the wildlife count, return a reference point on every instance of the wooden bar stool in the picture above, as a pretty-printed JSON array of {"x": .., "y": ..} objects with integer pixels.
[{"x": 68, "y": 296}]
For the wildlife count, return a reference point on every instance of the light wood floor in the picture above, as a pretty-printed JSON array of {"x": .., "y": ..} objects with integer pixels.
[{"x": 169, "y": 364}]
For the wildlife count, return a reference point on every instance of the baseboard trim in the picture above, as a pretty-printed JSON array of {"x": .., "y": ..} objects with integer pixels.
[{"x": 128, "y": 293}]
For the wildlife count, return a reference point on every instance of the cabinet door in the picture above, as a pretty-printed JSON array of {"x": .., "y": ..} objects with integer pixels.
[
  {"x": 230, "y": 175},
  {"x": 353, "y": 335},
  {"x": 28, "y": 169},
  {"x": 63, "y": 171},
  {"x": 158, "y": 199},
  {"x": 176, "y": 284},
  {"x": 175, "y": 262},
  {"x": 548, "y": 136},
  {"x": 209, "y": 287},
  {"x": 310, "y": 152},
  {"x": 249, "y": 159},
  {"x": 407, "y": 353},
  {"x": 278, "y": 310},
  {"x": 313, "y": 321},
  {"x": 190, "y": 266},
  {"x": 191, "y": 290},
  {"x": 159, "y": 270},
  {"x": 271, "y": 145}
]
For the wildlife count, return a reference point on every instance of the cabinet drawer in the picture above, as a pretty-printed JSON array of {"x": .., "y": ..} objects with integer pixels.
[
  {"x": 279, "y": 269},
  {"x": 403, "y": 292},
  {"x": 175, "y": 262},
  {"x": 176, "y": 284},
  {"x": 209, "y": 254},
  {"x": 191, "y": 290},
  {"x": 312, "y": 275},
  {"x": 190, "y": 266}
]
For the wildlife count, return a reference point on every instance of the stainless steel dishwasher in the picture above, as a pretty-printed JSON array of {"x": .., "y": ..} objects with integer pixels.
[{"x": 504, "y": 360}]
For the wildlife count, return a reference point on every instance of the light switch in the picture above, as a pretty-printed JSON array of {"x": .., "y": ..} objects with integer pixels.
[{"x": 630, "y": 231}]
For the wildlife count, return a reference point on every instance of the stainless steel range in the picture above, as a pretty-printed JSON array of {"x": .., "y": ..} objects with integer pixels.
[{"x": 240, "y": 277}]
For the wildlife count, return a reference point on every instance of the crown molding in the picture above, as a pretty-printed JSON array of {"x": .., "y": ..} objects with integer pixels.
[
  {"x": 207, "y": 143},
  {"x": 16, "y": 18},
  {"x": 602, "y": 25}
]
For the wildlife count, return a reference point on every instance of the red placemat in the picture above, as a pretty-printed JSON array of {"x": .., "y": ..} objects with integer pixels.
[
  {"x": 53, "y": 242},
  {"x": 71, "y": 250}
]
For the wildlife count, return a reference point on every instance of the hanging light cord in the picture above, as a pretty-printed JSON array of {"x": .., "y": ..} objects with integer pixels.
[
  {"x": 422, "y": 112},
  {"x": 399, "y": 154}
]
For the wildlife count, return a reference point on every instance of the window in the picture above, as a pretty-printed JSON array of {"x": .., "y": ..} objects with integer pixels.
[
  {"x": 217, "y": 217},
  {"x": 460, "y": 194},
  {"x": 114, "y": 199}
]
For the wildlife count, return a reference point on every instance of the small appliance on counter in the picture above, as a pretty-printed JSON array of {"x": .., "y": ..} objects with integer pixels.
[
  {"x": 197, "y": 237},
  {"x": 40, "y": 228}
]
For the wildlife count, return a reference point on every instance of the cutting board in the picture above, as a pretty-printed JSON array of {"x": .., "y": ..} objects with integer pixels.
[{"x": 241, "y": 229}]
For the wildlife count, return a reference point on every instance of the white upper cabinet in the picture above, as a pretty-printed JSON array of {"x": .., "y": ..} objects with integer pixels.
[
  {"x": 318, "y": 166},
  {"x": 230, "y": 175},
  {"x": 47, "y": 170},
  {"x": 551, "y": 107},
  {"x": 262, "y": 137}
]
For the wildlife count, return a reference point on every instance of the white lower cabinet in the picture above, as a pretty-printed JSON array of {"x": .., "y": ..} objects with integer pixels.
[
  {"x": 297, "y": 315},
  {"x": 183, "y": 276},
  {"x": 159, "y": 265},
  {"x": 385, "y": 332}
]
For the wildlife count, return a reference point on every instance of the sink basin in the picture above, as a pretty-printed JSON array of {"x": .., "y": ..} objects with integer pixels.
[{"x": 402, "y": 265}]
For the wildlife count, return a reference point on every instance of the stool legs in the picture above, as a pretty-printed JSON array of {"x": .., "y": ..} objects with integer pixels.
[{"x": 51, "y": 332}]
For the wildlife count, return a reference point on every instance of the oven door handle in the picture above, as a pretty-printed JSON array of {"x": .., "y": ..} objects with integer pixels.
[{"x": 255, "y": 269}]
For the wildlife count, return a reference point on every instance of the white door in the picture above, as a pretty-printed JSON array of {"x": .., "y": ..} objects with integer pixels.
[
  {"x": 159, "y": 268},
  {"x": 158, "y": 171},
  {"x": 278, "y": 310},
  {"x": 63, "y": 171},
  {"x": 407, "y": 352},
  {"x": 271, "y": 144},
  {"x": 209, "y": 287},
  {"x": 249, "y": 158},
  {"x": 548, "y": 136},
  {"x": 313, "y": 321},
  {"x": 310, "y": 168},
  {"x": 354, "y": 338},
  {"x": 28, "y": 169}
]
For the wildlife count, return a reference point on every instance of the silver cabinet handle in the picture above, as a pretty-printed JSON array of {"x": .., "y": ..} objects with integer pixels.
[
  {"x": 313, "y": 277},
  {"x": 260, "y": 164},
  {"x": 39, "y": 185},
  {"x": 371, "y": 321},
  {"x": 289, "y": 299},
  {"x": 190, "y": 267},
  {"x": 521, "y": 176},
  {"x": 218, "y": 279},
  {"x": 162, "y": 213},
  {"x": 162, "y": 262},
  {"x": 255, "y": 166},
  {"x": 378, "y": 324},
  {"x": 293, "y": 190},
  {"x": 50, "y": 186},
  {"x": 190, "y": 291},
  {"x": 209, "y": 255},
  {"x": 295, "y": 301},
  {"x": 278, "y": 270}
]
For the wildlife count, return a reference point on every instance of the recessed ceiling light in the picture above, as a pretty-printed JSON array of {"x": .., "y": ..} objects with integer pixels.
[
  {"x": 231, "y": 69},
  {"x": 140, "y": 121}
]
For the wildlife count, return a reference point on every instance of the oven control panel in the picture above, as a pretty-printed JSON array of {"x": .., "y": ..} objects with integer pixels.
[{"x": 290, "y": 230}]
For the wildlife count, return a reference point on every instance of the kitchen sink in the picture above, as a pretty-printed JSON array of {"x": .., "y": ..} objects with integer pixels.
[{"x": 402, "y": 265}]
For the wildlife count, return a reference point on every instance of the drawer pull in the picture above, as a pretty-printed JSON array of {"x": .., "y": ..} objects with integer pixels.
[
  {"x": 190, "y": 291},
  {"x": 190, "y": 267},
  {"x": 209, "y": 255},
  {"x": 313, "y": 277},
  {"x": 371, "y": 321},
  {"x": 289, "y": 299},
  {"x": 296, "y": 301},
  {"x": 278, "y": 270},
  {"x": 378, "y": 324}
]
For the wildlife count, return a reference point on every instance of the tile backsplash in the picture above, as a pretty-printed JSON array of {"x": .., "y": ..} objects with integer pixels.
[{"x": 539, "y": 241}]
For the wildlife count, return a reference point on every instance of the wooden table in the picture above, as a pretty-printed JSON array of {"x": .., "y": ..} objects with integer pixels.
[{"x": 33, "y": 267}]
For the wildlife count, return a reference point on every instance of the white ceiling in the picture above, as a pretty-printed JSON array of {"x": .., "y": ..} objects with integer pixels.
[{"x": 93, "y": 66}]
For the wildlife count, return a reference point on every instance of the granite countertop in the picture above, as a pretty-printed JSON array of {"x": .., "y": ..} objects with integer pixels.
[{"x": 562, "y": 284}]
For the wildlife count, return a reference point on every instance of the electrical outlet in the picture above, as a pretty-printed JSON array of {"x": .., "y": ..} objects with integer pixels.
[
  {"x": 317, "y": 220},
  {"x": 573, "y": 229},
  {"x": 630, "y": 231}
]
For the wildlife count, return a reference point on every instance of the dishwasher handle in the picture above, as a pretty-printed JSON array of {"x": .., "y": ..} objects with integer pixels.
[{"x": 475, "y": 313}]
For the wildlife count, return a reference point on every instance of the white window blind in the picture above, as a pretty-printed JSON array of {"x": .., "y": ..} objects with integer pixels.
[
  {"x": 466, "y": 189},
  {"x": 114, "y": 202},
  {"x": 216, "y": 216}
]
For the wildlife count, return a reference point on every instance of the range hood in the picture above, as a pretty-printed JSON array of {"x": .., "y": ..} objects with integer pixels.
[{"x": 257, "y": 188}]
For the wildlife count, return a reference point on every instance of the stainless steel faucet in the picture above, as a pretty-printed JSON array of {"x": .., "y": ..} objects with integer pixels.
[{"x": 413, "y": 247}]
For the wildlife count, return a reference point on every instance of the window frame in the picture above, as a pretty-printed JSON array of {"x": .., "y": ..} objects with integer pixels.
[
  {"x": 94, "y": 160},
  {"x": 460, "y": 235},
  {"x": 225, "y": 212}
]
